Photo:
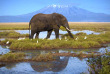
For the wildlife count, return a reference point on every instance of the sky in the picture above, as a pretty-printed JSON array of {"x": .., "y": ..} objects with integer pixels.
[{"x": 19, "y": 7}]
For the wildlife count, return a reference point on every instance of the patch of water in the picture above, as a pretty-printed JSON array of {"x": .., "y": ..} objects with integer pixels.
[
  {"x": 4, "y": 50},
  {"x": 1, "y": 39},
  {"x": 68, "y": 65},
  {"x": 60, "y": 31},
  {"x": 104, "y": 49},
  {"x": 44, "y": 33}
]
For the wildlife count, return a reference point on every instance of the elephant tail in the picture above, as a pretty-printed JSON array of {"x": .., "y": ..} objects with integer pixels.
[{"x": 29, "y": 29}]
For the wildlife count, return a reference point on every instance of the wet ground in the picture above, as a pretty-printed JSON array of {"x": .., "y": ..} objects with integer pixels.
[
  {"x": 62, "y": 65},
  {"x": 44, "y": 33}
]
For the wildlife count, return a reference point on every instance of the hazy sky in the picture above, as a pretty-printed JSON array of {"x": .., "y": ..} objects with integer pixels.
[{"x": 18, "y": 7}]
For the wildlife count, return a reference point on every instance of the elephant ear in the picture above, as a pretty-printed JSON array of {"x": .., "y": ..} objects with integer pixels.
[{"x": 56, "y": 19}]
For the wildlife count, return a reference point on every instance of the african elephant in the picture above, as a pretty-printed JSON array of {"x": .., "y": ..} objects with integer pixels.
[{"x": 48, "y": 22}]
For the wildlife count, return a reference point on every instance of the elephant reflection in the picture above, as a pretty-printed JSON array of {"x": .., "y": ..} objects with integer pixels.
[{"x": 54, "y": 66}]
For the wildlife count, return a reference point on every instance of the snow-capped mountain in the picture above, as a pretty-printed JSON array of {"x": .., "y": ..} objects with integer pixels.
[{"x": 72, "y": 13}]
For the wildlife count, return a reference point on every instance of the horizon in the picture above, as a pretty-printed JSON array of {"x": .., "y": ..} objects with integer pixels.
[{"x": 19, "y": 7}]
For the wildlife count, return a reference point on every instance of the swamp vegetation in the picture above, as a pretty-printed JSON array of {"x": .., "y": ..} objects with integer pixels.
[
  {"x": 92, "y": 41},
  {"x": 97, "y": 63},
  {"x": 12, "y": 34}
]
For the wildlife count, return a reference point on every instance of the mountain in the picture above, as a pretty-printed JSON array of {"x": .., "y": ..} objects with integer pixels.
[{"x": 72, "y": 13}]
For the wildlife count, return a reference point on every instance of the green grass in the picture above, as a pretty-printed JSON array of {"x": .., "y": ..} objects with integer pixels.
[
  {"x": 20, "y": 56},
  {"x": 99, "y": 65},
  {"x": 44, "y": 57},
  {"x": 91, "y": 42},
  {"x": 4, "y": 42},
  {"x": 12, "y": 34},
  {"x": 51, "y": 44},
  {"x": 84, "y": 55},
  {"x": 12, "y": 57}
]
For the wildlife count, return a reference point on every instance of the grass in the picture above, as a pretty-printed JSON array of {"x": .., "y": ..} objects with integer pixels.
[
  {"x": 91, "y": 42},
  {"x": 99, "y": 65},
  {"x": 14, "y": 26},
  {"x": 12, "y": 34},
  {"x": 44, "y": 57},
  {"x": 51, "y": 44},
  {"x": 84, "y": 55},
  {"x": 94, "y": 26},
  {"x": 20, "y": 56},
  {"x": 4, "y": 42},
  {"x": 27, "y": 44},
  {"x": 12, "y": 57}
]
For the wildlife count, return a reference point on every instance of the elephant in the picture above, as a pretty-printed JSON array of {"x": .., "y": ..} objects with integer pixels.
[{"x": 48, "y": 22}]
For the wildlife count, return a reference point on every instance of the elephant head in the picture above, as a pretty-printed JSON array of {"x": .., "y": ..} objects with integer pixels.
[{"x": 60, "y": 20}]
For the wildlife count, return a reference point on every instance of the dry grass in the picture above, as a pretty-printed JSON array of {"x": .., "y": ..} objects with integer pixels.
[
  {"x": 14, "y": 26},
  {"x": 95, "y": 26}
]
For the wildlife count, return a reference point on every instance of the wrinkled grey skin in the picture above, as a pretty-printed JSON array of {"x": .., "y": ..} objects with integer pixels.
[{"x": 48, "y": 22}]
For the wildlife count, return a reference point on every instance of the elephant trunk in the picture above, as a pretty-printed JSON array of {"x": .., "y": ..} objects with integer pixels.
[{"x": 68, "y": 30}]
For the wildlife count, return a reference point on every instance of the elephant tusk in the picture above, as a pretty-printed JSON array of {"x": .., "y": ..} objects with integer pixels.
[{"x": 68, "y": 29}]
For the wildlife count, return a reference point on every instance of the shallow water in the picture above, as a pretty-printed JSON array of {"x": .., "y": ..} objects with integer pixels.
[
  {"x": 4, "y": 50},
  {"x": 61, "y": 32},
  {"x": 44, "y": 33},
  {"x": 31, "y": 53},
  {"x": 63, "y": 65}
]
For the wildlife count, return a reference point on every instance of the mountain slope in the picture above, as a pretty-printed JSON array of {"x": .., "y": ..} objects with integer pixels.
[{"x": 72, "y": 13}]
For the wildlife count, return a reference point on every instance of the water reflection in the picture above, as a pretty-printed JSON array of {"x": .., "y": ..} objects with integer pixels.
[
  {"x": 68, "y": 65},
  {"x": 4, "y": 50},
  {"x": 32, "y": 53},
  {"x": 55, "y": 66}
]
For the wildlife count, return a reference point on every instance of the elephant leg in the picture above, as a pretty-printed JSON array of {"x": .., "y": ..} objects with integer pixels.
[
  {"x": 37, "y": 35},
  {"x": 49, "y": 33},
  {"x": 32, "y": 33},
  {"x": 57, "y": 33}
]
